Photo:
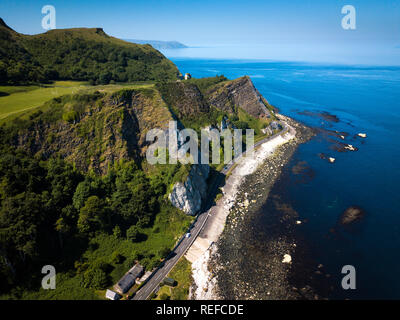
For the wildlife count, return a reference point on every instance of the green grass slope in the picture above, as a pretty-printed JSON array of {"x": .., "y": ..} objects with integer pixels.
[{"x": 87, "y": 54}]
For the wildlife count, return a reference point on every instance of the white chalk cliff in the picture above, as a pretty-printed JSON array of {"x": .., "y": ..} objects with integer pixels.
[{"x": 188, "y": 196}]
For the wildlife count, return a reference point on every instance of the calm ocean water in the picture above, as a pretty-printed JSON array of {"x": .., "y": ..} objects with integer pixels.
[{"x": 367, "y": 100}]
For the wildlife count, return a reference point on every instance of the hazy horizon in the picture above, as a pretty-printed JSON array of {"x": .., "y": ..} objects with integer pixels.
[
  {"x": 283, "y": 30},
  {"x": 292, "y": 53}
]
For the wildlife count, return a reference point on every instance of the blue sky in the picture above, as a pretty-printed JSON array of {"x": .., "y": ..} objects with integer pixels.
[{"x": 307, "y": 25}]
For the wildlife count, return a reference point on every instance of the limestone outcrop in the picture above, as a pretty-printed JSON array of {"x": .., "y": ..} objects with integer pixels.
[{"x": 188, "y": 196}]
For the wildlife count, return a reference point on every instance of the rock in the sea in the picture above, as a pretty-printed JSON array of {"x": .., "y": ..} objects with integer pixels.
[
  {"x": 287, "y": 258},
  {"x": 342, "y": 147},
  {"x": 351, "y": 215},
  {"x": 323, "y": 115},
  {"x": 350, "y": 147},
  {"x": 323, "y": 156},
  {"x": 188, "y": 196}
]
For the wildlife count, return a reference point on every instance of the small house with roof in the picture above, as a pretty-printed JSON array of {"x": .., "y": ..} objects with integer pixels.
[
  {"x": 112, "y": 295},
  {"x": 169, "y": 282},
  {"x": 129, "y": 279}
]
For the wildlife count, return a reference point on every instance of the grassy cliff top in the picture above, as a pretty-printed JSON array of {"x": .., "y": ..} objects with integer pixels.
[{"x": 83, "y": 54}]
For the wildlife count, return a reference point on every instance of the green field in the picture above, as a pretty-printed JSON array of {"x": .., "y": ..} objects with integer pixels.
[
  {"x": 18, "y": 99},
  {"x": 15, "y": 100},
  {"x": 182, "y": 274}
]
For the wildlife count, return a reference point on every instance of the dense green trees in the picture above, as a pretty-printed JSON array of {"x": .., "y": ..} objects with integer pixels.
[
  {"x": 134, "y": 198},
  {"x": 48, "y": 206},
  {"x": 16, "y": 63},
  {"x": 94, "y": 278},
  {"x": 92, "y": 216},
  {"x": 164, "y": 252},
  {"x": 132, "y": 233},
  {"x": 78, "y": 54}
]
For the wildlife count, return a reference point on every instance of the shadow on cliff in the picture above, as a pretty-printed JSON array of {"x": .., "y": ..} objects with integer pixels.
[{"x": 215, "y": 182}]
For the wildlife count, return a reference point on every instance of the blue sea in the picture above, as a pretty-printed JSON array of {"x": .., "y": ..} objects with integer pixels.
[{"x": 365, "y": 99}]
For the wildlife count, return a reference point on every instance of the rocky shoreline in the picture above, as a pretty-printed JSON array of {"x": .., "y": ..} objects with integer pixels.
[{"x": 218, "y": 256}]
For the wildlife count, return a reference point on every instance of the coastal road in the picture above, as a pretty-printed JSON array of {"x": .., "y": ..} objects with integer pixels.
[{"x": 185, "y": 243}]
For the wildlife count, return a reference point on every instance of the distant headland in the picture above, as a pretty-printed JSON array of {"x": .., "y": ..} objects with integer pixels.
[{"x": 159, "y": 45}]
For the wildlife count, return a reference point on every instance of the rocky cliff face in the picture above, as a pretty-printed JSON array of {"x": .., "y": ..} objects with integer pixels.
[
  {"x": 95, "y": 130},
  {"x": 107, "y": 129},
  {"x": 184, "y": 98},
  {"x": 227, "y": 96},
  {"x": 230, "y": 95},
  {"x": 189, "y": 195}
]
